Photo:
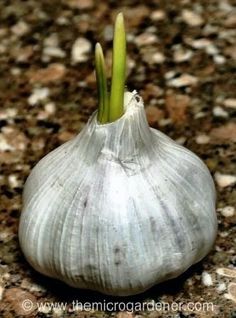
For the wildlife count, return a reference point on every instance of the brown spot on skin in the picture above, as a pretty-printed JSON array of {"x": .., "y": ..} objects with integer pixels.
[
  {"x": 90, "y": 267},
  {"x": 80, "y": 277},
  {"x": 119, "y": 255},
  {"x": 85, "y": 203},
  {"x": 117, "y": 262},
  {"x": 153, "y": 225},
  {"x": 116, "y": 250}
]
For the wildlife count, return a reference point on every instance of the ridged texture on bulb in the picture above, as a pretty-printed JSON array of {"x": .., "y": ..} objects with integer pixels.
[{"x": 119, "y": 208}]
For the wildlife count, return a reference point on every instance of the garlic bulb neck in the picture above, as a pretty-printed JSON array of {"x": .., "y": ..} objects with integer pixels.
[{"x": 124, "y": 138}]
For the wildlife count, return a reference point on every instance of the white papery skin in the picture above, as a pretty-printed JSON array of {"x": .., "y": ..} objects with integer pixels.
[{"x": 119, "y": 208}]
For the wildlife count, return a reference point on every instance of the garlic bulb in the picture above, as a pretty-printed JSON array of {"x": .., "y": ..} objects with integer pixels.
[{"x": 119, "y": 208}]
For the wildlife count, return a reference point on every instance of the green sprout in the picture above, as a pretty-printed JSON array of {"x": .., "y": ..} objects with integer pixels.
[
  {"x": 111, "y": 109},
  {"x": 103, "y": 107}
]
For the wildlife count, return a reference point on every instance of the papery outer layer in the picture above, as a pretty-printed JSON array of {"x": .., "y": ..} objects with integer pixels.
[{"x": 119, "y": 208}]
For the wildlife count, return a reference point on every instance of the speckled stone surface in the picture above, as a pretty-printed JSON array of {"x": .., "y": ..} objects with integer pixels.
[{"x": 181, "y": 60}]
